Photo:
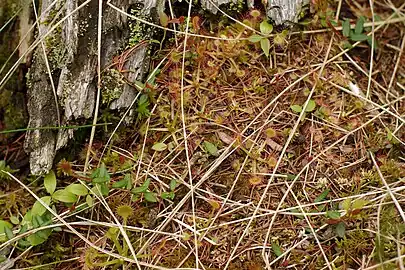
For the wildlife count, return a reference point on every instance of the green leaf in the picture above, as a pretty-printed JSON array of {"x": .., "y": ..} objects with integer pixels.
[
  {"x": 370, "y": 42},
  {"x": 105, "y": 190},
  {"x": 37, "y": 221},
  {"x": 291, "y": 176},
  {"x": 37, "y": 239},
  {"x": 346, "y": 204},
  {"x": 310, "y": 106},
  {"x": 152, "y": 76},
  {"x": 3, "y": 226},
  {"x": 265, "y": 45},
  {"x": 211, "y": 148},
  {"x": 322, "y": 196},
  {"x": 150, "y": 196},
  {"x": 276, "y": 249},
  {"x": 296, "y": 108},
  {"x": 64, "y": 196},
  {"x": 159, "y": 146},
  {"x": 167, "y": 195},
  {"x": 77, "y": 189},
  {"x": 358, "y": 29},
  {"x": 89, "y": 200},
  {"x": 347, "y": 45},
  {"x": 358, "y": 37},
  {"x": 266, "y": 28},
  {"x": 14, "y": 220},
  {"x": 173, "y": 184},
  {"x": 341, "y": 229},
  {"x": 139, "y": 85},
  {"x": 359, "y": 204},
  {"x": 23, "y": 229},
  {"x": 38, "y": 208},
  {"x": 255, "y": 38},
  {"x": 100, "y": 189},
  {"x": 100, "y": 175},
  {"x": 333, "y": 214},
  {"x": 9, "y": 233},
  {"x": 142, "y": 188},
  {"x": 346, "y": 28},
  {"x": 50, "y": 182},
  {"x": 121, "y": 184}
]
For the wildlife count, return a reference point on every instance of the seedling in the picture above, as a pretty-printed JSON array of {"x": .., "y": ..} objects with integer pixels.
[
  {"x": 144, "y": 190},
  {"x": 358, "y": 33},
  {"x": 265, "y": 30},
  {"x": 309, "y": 108}
]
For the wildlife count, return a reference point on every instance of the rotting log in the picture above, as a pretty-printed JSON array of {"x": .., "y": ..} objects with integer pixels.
[{"x": 71, "y": 55}]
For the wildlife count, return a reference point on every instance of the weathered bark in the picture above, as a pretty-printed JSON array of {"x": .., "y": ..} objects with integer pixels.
[
  {"x": 285, "y": 10},
  {"x": 72, "y": 54}
]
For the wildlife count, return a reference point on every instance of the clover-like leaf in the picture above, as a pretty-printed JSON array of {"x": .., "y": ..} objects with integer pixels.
[
  {"x": 333, "y": 214},
  {"x": 100, "y": 175},
  {"x": 358, "y": 37},
  {"x": 358, "y": 29},
  {"x": 276, "y": 249},
  {"x": 266, "y": 28}
]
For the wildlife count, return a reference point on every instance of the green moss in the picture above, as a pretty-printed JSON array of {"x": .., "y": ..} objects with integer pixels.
[
  {"x": 138, "y": 31},
  {"x": 390, "y": 225},
  {"x": 112, "y": 85},
  {"x": 53, "y": 12},
  {"x": 355, "y": 244},
  {"x": 56, "y": 49}
]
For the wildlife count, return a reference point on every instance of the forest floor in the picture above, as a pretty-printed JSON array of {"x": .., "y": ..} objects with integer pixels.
[{"x": 255, "y": 147}]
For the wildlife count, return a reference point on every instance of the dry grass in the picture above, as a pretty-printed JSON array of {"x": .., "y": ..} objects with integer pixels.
[{"x": 259, "y": 185}]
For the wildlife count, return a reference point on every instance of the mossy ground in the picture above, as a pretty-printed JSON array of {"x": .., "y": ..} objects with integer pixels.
[{"x": 271, "y": 189}]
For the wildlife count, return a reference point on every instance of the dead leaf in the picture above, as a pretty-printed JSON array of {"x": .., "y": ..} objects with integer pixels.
[
  {"x": 273, "y": 145},
  {"x": 225, "y": 138}
]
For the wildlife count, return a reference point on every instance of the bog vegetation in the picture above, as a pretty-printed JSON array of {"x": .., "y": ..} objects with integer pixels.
[{"x": 254, "y": 146}]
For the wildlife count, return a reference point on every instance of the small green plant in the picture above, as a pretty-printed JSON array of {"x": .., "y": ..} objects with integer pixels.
[
  {"x": 38, "y": 216},
  {"x": 353, "y": 212},
  {"x": 210, "y": 148},
  {"x": 100, "y": 180},
  {"x": 144, "y": 190},
  {"x": 125, "y": 183},
  {"x": 358, "y": 33},
  {"x": 170, "y": 195},
  {"x": 265, "y": 30},
  {"x": 5, "y": 168},
  {"x": 309, "y": 108}
]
